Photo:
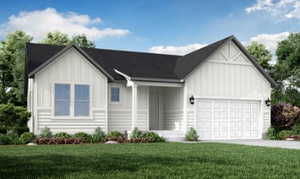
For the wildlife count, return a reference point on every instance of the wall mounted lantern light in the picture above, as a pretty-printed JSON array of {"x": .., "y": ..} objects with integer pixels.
[
  {"x": 268, "y": 102},
  {"x": 192, "y": 99}
]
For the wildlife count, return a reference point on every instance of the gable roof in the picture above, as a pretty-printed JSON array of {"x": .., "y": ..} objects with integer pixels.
[{"x": 134, "y": 64}]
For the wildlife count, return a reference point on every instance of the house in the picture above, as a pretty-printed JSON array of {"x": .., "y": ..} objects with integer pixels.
[{"x": 219, "y": 90}]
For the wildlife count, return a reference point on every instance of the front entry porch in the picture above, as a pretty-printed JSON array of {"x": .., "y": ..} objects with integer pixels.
[{"x": 164, "y": 108}]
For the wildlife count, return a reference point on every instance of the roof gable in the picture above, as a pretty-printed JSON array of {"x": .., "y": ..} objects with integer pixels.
[
  {"x": 186, "y": 64},
  {"x": 136, "y": 64}
]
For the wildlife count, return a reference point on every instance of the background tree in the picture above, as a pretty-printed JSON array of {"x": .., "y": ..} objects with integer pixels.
[
  {"x": 12, "y": 65},
  {"x": 58, "y": 38},
  {"x": 287, "y": 70},
  {"x": 260, "y": 52},
  {"x": 12, "y": 62},
  {"x": 82, "y": 41}
]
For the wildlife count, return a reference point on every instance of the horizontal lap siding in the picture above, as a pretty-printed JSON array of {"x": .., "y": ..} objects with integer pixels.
[
  {"x": 119, "y": 114},
  {"x": 71, "y": 125}
]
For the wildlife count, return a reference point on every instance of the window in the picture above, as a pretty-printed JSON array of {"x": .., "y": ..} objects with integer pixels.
[
  {"x": 62, "y": 99},
  {"x": 115, "y": 94},
  {"x": 82, "y": 100}
]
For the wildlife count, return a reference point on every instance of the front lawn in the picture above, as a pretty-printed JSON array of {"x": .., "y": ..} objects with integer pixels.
[{"x": 172, "y": 160}]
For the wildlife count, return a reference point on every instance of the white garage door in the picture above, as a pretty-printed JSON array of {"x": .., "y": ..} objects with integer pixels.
[{"x": 228, "y": 119}]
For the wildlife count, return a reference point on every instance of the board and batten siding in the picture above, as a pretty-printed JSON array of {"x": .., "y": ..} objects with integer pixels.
[
  {"x": 119, "y": 113},
  {"x": 70, "y": 68},
  {"x": 227, "y": 74},
  {"x": 173, "y": 109}
]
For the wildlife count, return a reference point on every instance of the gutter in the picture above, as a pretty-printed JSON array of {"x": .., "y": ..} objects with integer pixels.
[{"x": 149, "y": 79}]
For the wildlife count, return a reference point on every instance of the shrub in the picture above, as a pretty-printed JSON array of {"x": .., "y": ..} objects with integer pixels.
[
  {"x": 4, "y": 139},
  {"x": 20, "y": 130},
  {"x": 13, "y": 117},
  {"x": 98, "y": 135},
  {"x": 271, "y": 134},
  {"x": 284, "y": 116},
  {"x": 48, "y": 141},
  {"x": 46, "y": 133},
  {"x": 296, "y": 129},
  {"x": 191, "y": 135},
  {"x": 26, "y": 137},
  {"x": 14, "y": 137},
  {"x": 62, "y": 135},
  {"x": 83, "y": 136},
  {"x": 284, "y": 134},
  {"x": 153, "y": 137},
  {"x": 116, "y": 136},
  {"x": 136, "y": 133}
]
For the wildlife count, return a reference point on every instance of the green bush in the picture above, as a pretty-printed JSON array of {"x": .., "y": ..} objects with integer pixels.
[
  {"x": 86, "y": 137},
  {"x": 191, "y": 135},
  {"x": 153, "y": 137},
  {"x": 284, "y": 134},
  {"x": 271, "y": 134},
  {"x": 26, "y": 137},
  {"x": 46, "y": 133},
  {"x": 136, "y": 134},
  {"x": 20, "y": 130},
  {"x": 296, "y": 129},
  {"x": 4, "y": 139},
  {"x": 98, "y": 135},
  {"x": 62, "y": 135},
  {"x": 13, "y": 118},
  {"x": 116, "y": 136},
  {"x": 14, "y": 137}
]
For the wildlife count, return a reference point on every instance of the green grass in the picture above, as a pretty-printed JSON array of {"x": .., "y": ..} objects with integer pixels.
[{"x": 161, "y": 160}]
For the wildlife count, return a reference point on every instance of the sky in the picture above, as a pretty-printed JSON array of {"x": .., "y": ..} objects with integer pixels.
[{"x": 158, "y": 26}]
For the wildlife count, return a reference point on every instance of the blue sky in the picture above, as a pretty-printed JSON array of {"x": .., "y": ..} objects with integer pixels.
[{"x": 162, "y": 26}]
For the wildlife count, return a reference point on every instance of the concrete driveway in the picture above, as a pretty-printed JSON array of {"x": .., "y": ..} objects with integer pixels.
[{"x": 264, "y": 143}]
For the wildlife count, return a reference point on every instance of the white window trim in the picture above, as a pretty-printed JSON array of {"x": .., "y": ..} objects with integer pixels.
[
  {"x": 72, "y": 101},
  {"x": 120, "y": 94}
]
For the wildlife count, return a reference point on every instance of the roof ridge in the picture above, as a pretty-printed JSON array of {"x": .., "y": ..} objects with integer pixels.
[
  {"x": 113, "y": 50},
  {"x": 209, "y": 45}
]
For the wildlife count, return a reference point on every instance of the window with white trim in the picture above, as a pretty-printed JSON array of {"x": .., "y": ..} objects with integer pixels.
[
  {"x": 82, "y": 100},
  {"x": 62, "y": 99},
  {"x": 115, "y": 94},
  {"x": 78, "y": 95}
]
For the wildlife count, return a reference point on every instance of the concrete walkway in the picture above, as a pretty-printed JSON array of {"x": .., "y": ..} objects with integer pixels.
[{"x": 263, "y": 143}]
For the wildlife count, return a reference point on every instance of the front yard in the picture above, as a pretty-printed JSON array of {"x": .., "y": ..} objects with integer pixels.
[{"x": 172, "y": 160}]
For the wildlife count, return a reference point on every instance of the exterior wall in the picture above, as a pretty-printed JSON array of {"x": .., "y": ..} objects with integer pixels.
[
  {"x": 227, "y": 74},
  {"x": 71, "y": 68},
  {"x": 119, "y": 114},
  {"x": 173, "y": 108}
]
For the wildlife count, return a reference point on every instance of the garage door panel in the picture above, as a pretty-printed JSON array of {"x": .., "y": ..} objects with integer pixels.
[
  {"x": 227, "y": 119},
  {"x": 204, "y": 119}
]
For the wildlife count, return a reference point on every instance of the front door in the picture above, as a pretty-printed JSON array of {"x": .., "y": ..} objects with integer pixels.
[{"x": 154, "y": 111}]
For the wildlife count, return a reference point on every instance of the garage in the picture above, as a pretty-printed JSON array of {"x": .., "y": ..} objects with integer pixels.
[{"x": 228, "y": 119}]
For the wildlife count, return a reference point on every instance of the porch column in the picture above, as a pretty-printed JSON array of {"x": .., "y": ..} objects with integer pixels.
[{"x": 134, "y": 105}]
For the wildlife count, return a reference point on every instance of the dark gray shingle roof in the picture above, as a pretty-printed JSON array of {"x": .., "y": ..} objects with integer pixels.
[{"x": 136, "y": 64}]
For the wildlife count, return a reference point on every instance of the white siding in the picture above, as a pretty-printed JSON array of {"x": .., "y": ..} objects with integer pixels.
[
  {"x": 119, "y": 115},
  {"x": 72, "y": 68},
  {"x": 173, "y": 108},
  {"x": 227, "y": 74}
]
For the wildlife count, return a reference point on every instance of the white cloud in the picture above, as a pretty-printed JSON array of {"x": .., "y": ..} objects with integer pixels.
[
  {"x": 176, "y": 50},
  {"x": 269, "y": 40},
  {"x": 283, "y": 9},
  {"x": 38, "y": 23}
]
